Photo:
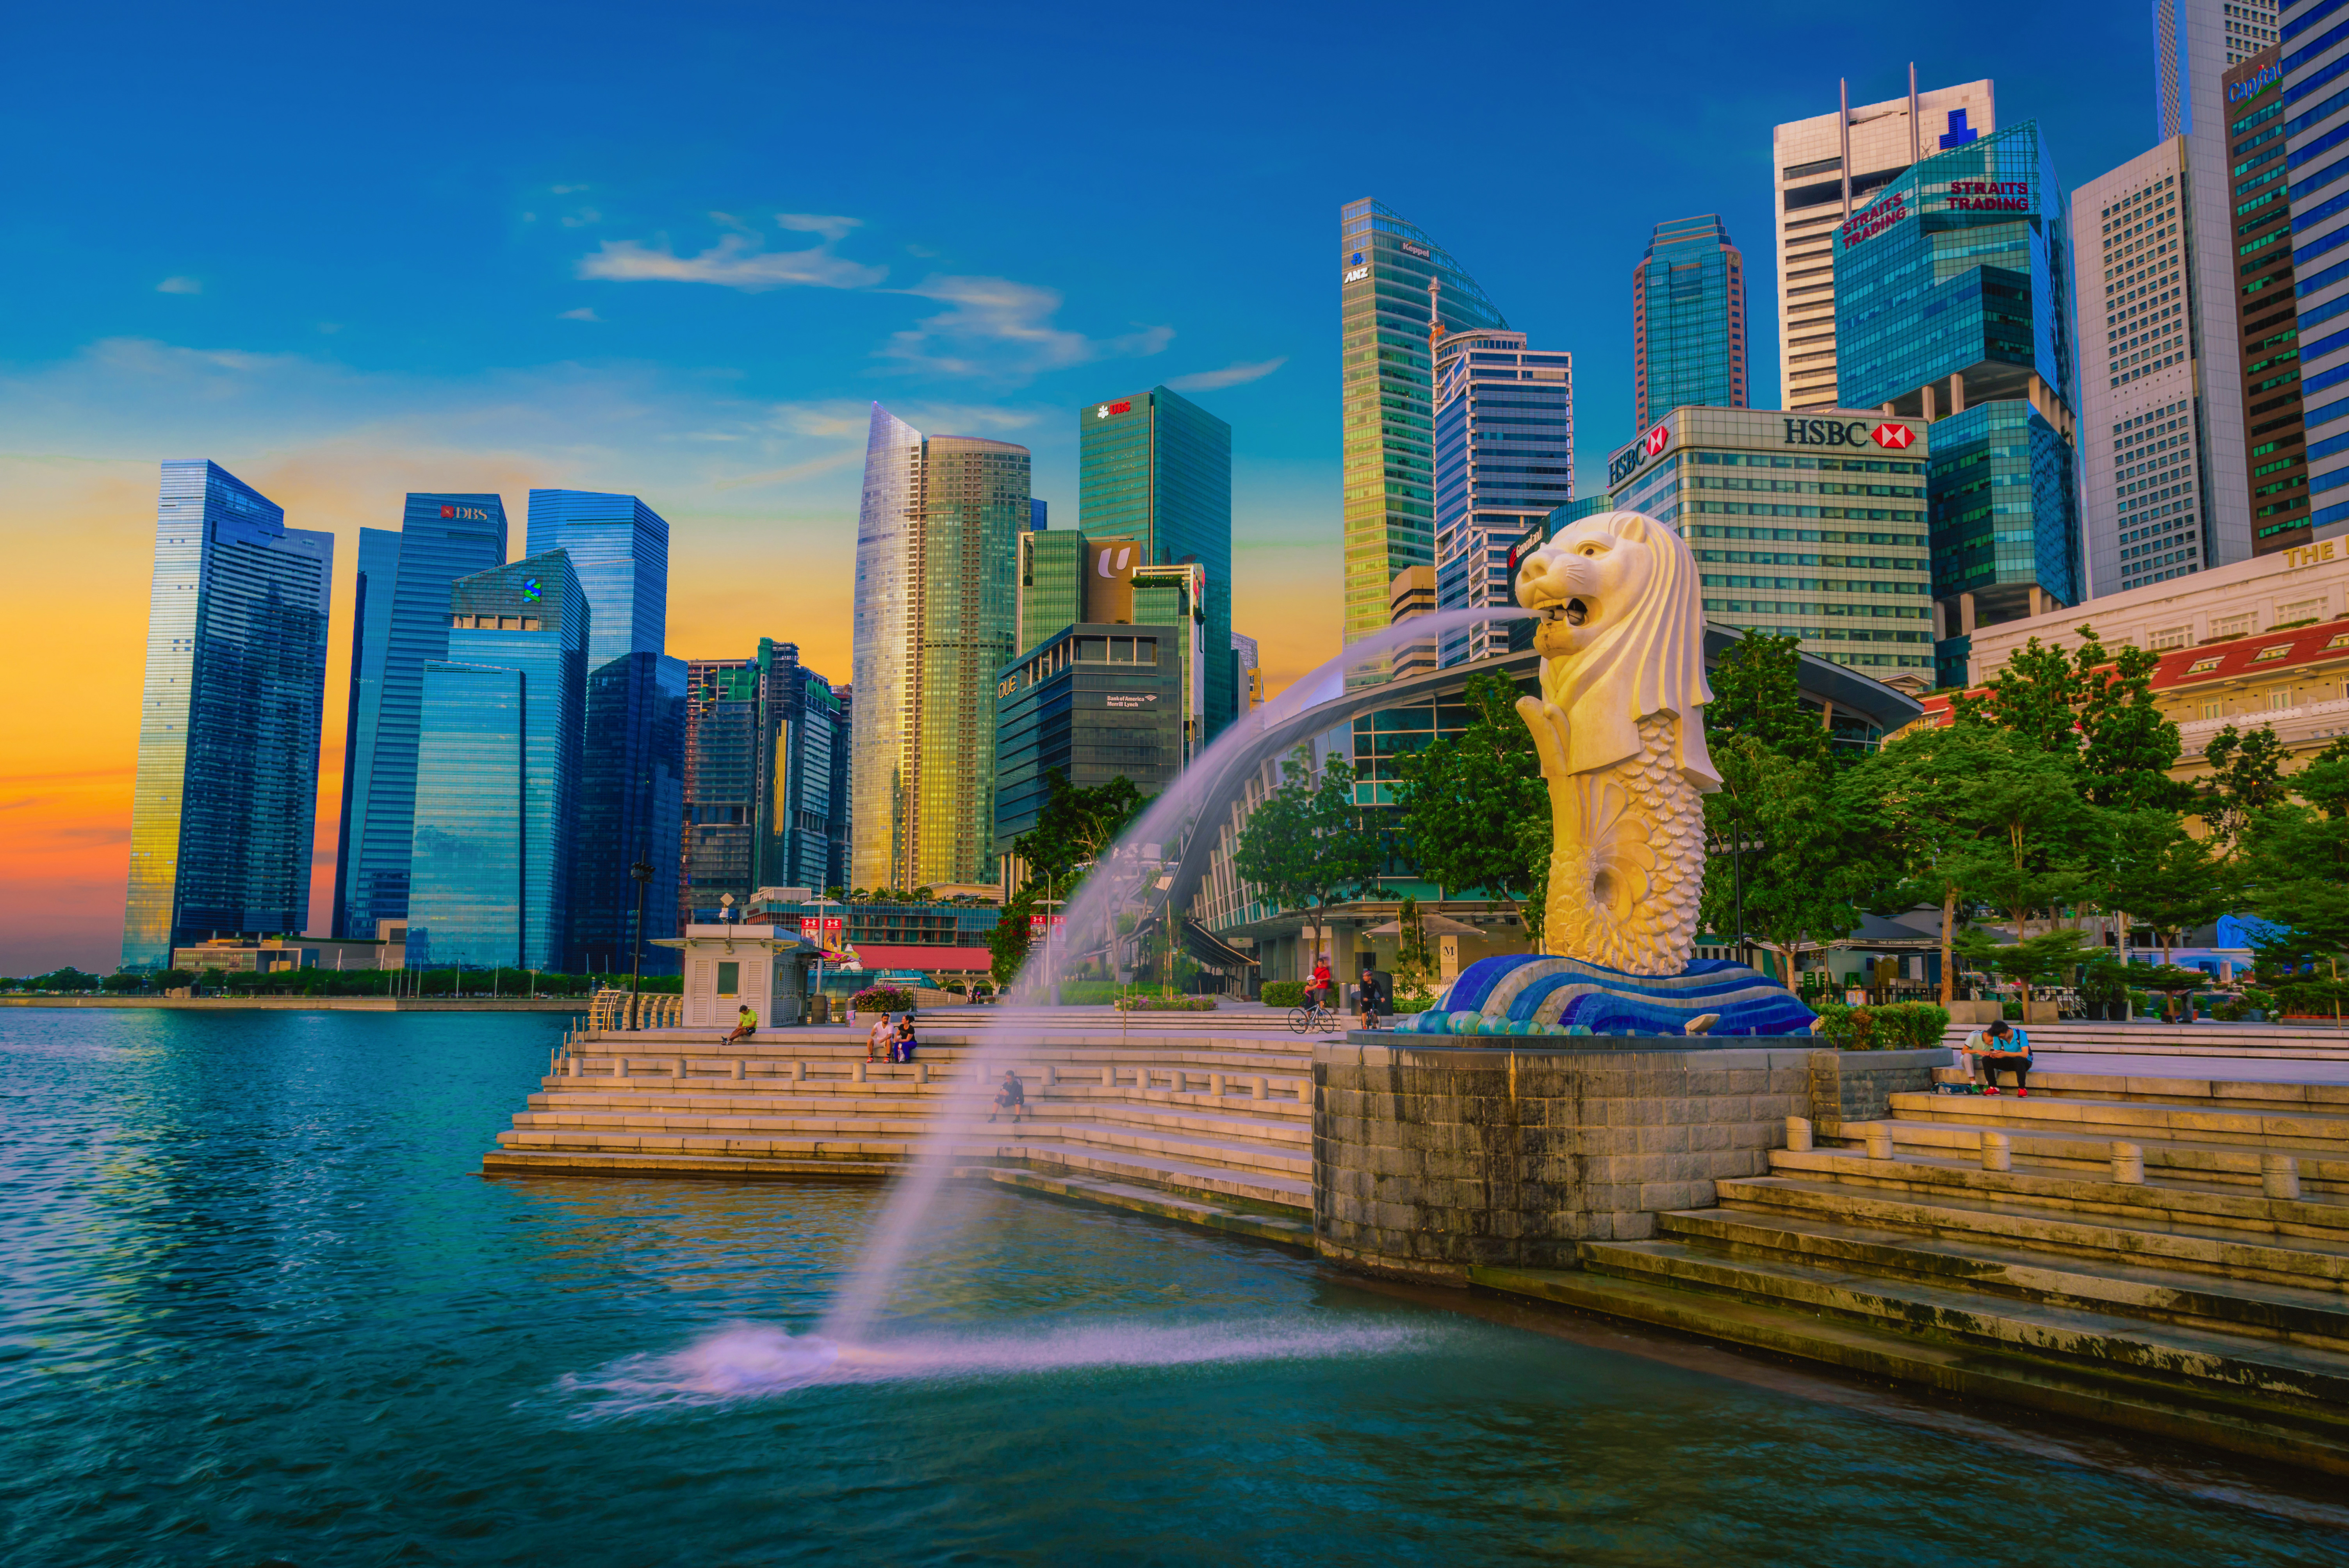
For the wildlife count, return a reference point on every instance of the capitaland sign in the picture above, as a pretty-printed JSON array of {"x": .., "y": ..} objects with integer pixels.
[
  {"x": 2253, "y": 86},
  {"x": 1991, "y": 195},
  {"x": 1876, "y": 217}
]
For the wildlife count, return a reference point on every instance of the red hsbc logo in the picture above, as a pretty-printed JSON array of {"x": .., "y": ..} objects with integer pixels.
[
  {"x": 1654, "y": 444},
  {"x": 1897, "y": 436}
]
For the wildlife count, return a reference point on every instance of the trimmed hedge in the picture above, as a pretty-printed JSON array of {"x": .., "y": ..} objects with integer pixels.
[
  {"x": 1283, "y": 994},
  {"x": 882, "y": 999},
  {"x": 1894, "y": 1026},
  {"x": 1167, "y": 1004}
]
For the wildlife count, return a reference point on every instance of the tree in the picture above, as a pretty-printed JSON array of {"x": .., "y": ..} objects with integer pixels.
[
  {"x": 1007, "y": 942},
  {"x": 1414, "y": 959},
  {"x": 2294, "y": 864},
  {"x": 1307, "y": 842},
  {"x": 2157, "y": 872},
  {"x": 1076, "y": 827},
  {"x": 1804, "y": 876},
  {"x": 1467, "y": 803},
  {"x": 2246, "y": 778},
  {"x": 2325, "y": 782},
  {"x": 2038, "y": 960},
  {"x": 1757, "y": 693}
]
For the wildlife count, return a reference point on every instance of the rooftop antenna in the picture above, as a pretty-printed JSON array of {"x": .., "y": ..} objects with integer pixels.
[{"x": 1913, "y": 146}]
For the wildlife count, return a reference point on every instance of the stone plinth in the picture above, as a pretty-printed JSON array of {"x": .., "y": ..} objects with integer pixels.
[{"x": 1431, "y": 1159}]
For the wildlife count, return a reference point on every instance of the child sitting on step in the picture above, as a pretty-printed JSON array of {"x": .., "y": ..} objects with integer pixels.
[{"x": 2001, "y": 1045}]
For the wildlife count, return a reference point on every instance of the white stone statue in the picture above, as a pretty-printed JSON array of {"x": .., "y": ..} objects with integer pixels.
[{"x": 1620, "y": 730}]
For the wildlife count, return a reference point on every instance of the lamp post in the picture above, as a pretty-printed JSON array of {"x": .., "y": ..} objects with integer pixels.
[{"x": 643, "y": 872}]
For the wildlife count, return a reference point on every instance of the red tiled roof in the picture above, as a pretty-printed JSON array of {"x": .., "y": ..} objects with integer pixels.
[{"x": 2324, "y": 642}]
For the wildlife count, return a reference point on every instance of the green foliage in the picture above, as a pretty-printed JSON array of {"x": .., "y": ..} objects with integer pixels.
[
  {"x": 2040, "y": 960},
  {"x": 1894, "y": 1026},
  {"x": 882, "y": 999},
  {"x": 124, "y": 980},
  {"x": 2167, "y": 977},
  {"x": 66, "y": 979},
  {"x": 2161, "y": 874},
  {"x": 1415, "y": 960},
  {"x": 1308, "y": 844},
  {"x": 1076, "y": 827},
  {"x": 2104, "y": 983},
  {"x": 1757, "y": 695},
  {"x": 1282, "y": 994},
  {"x": 1473, "y": 805},
  {"x": 2246, "y": 780},
  {"x": 1007, "y": 941},
  {"x": 2295, "y": 866},
  {"x": 1806, "y": 872},
  {"x": 1143, "y": 1003}
]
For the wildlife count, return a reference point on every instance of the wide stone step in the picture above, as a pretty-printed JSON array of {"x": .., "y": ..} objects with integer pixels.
[
  {"x": 2123, "y": 1202},
  {"x": 2163, "y": 1350},
  {"x": 2143, "y": 1238},
  {"x": 2076, "y": 1150},
  {"x": 2288, "y": 1431},
  {"x": 1295, "y": 1192},
  {"x": 2168, "y": 1088},
  {"x": 1288, "y": 1226},
  {"x": 2252, "y": 1124},
  {"x": 1277, "y": 1121},
  {"x": 2318, "y": 1317}
]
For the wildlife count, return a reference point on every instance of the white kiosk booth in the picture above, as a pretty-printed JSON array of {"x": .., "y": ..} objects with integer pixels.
[{"x": 729, "y": 964}]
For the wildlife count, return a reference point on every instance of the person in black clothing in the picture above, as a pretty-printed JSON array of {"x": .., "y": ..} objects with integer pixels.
[
  {"x": 1012, "y": 1098},
  {"x": 1370, "y": 997}
]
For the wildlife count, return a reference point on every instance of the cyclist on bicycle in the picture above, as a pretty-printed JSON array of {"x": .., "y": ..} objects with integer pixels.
[{"x": 1318, "y": 993}]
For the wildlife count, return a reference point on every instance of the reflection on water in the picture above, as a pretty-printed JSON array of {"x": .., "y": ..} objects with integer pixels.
[{"x": 257, "y": 1305}]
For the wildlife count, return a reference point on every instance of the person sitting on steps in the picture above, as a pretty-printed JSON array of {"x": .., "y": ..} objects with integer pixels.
[
  {"x": 2000, "y": 1045},
  {"x": 1012, "y": 1098},
  {"x": 903, "y": 1046},
  {"x": 746, "y": 1023},
  {"x": 877, "y": 1039}
]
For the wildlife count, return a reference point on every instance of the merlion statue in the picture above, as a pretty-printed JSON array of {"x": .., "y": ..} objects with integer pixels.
[{"x": 1620, "y": 731}]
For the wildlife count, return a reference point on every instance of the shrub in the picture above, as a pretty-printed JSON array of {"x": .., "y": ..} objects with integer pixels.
[
  {"x": 1284, "y": 993},
  {"x": 1894, "y": 1026},
  {"x": 1419, "y": 1004},
  {"x": 882, "y": 999},
  {"x": 1167, "y": 1004}
]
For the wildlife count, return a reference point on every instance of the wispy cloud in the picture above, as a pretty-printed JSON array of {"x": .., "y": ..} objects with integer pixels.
[
  {"x": 734, "y": 262},
  {"x": 565, "y": 190},
  {"x": 808, "y": 470},
  {"x": 582, "y": 217},
  {"x": 585, "y": 313},
  {"x": 834, "y": 229},
  {"x": 1234, "y": 375},
  {"x": 998, "y": 327},
  {"x": 180, "y": 286}
]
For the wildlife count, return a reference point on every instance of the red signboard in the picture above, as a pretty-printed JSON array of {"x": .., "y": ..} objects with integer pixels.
[
  {"x": 830, "y": 931},
  {"x": 1037, "y": 924}
]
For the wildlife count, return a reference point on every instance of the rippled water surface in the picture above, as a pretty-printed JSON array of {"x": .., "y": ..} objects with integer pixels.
[{"x": 256, "y": 1306}]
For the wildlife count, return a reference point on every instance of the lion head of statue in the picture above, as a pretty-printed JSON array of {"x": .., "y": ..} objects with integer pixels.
[{"x": 1621, "y": 636}]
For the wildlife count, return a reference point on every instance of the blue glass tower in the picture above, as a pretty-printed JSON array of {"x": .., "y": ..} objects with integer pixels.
[
  {"x": 400, "y": 620},
  {"x": 497, "y": 771},
  {"x": 229, "y": 721},
  {"x": 632, "y": 793},
  {"x": 1953, "y": 304},
  {"x": 1688, "y": 321},
  {"x": 1504, "y": 460}
]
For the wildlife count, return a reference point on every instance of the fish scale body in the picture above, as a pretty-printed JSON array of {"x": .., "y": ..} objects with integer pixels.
[{"x": 1627, "y": 872}]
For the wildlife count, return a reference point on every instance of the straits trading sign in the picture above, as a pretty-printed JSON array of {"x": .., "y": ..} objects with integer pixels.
[
  {"x": 1876, "y": 217},
  {"x": 1991, "y": 195}
]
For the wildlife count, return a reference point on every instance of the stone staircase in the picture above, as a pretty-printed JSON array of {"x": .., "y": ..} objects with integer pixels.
[
  {"x": 1212, "y": 1128},
  {"x": 2167, "y": 1253},
  {"x": 2148, "y": 1037}
]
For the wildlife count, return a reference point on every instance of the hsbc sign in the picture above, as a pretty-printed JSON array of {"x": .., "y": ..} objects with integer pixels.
[
  {"x": 1628, "y": 460},
  {"x": 1890, "y": 435}
]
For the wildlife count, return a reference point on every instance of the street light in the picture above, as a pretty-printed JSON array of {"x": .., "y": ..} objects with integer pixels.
[{"x": 643, "y": 872}]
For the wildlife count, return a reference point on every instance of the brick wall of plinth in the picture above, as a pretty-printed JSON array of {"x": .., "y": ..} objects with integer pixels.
[{"x": 1428, "y": 1160}]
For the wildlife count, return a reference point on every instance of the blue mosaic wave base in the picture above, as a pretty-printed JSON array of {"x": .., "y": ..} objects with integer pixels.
[{"x": 1534, "y": 993}]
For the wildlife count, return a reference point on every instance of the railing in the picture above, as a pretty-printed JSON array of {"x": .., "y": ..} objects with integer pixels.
[
  {"x": 582, "y": 1061},
  {"x": 614, "y": 1009}
]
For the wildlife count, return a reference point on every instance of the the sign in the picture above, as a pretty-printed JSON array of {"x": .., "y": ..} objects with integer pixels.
[
  {"x": 2245, "y": 91},
  {"x": 1628, "y": 460},
  {"x": 471, "y": 513},
  {"x": 1109, "y": 586},
  {"x": 829, "y": 933},
  {"x": 1106, "y": 409},
  {"x": 1040, "y": 924},
  {"x": 1411, "y": 250},
  {"x": 1898, "y": 438},
  {"x": 1130, "y": 699},
  {"x": 1827, "y": 433},
  {"x": 1876, "y": 217},
  {"x": 1991, "y": 195},
  {"x": 2308, "y": 555},
  {"x": 1656, "y": 439},
  {"x": 1358, "y": 274},
  {"x": 532, "y": 591}
]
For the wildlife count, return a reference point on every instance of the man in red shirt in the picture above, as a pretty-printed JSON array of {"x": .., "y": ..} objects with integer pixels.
[{"x": 1322, "y": 983}]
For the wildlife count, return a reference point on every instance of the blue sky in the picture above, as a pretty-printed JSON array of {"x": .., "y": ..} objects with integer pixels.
[{"x": 352, "y": 252}]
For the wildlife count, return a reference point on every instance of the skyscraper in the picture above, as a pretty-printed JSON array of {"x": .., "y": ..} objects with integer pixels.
[
  {"x": 765, "y": 746},
  {"x": 1688, "y": 320},
  {"x": 2316, "y": 42},
  {"x": 936, "y": 618},
  {"x": 1051, "y": 584},
  {"x": 1954, "y": 289},
  {"x": 631, "y": 788},
  {"x": 1386, "y": 264},
  {"x": 399, "y": 621},
  {"x": 1156, "y": 468},
  {"x": 497, "y": 771},
  {"x": 2195, "y": 42},
  {"x": 1828, "y": 167},
  {"x": 229, "y": 719},
  {"x": 2267, "y": 331},
  {"x": 1503, "y": 460},
  {"x": 2145, "y": 429}
]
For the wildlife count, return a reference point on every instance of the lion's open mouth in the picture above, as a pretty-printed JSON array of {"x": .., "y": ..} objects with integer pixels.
[{"x": 1574, "y": 611}]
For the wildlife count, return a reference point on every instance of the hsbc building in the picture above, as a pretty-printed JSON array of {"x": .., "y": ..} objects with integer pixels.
[{"x": 1810, "y": 523}]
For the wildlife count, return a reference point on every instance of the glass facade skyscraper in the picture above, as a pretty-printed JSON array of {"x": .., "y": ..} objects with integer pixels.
[
  {"x": 229, "y": 718},
  {"x": 1051, "y": 584},
  {"x": 1094, "y": 702},
  {"x": 619, "y": 548},
  {"x": 1386, "y": 264},
  {"x": 1504, "y": 460},
  {"x": 1688, "y": 320},
  {"x": 1156, "y": 468},
  {"x": 497, "y": 771},
  {"x": 1954, "y": 306},
  {"x": 2315, "y": 37},
  {"x": 766, "y": 777},
  {"x": 399, "y": 622},
  {"x": 935, "y": 618}
]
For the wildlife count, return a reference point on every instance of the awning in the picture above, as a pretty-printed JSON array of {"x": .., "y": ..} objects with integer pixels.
[{"x": 950, "y": 960}]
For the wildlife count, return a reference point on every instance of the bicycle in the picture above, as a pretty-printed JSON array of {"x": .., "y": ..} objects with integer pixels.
[{"x": 1304, "y": 1020}]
